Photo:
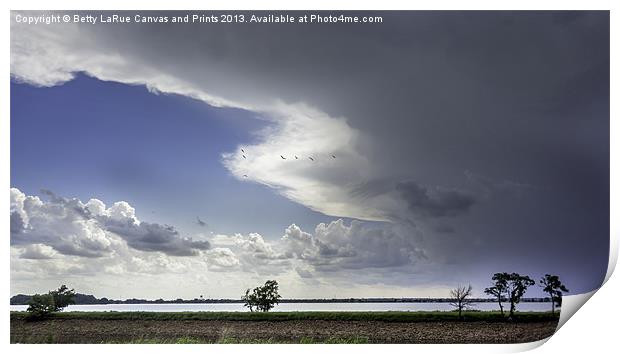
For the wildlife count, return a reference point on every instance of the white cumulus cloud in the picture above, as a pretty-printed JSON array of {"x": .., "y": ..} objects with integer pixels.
[{"x": 90, "y": 230}]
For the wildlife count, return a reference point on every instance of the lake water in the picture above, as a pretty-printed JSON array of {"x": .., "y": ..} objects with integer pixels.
[{"x": 286, "y": 307}]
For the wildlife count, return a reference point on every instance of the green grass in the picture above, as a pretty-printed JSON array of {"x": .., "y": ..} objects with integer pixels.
[
  {"x": 232, "y": 340},
  {"x": 181, "y": 340},
  {"x": 304, "y": 340},
  {"x": 335, "y": 340},
  {"x": 390, "y": 316}
]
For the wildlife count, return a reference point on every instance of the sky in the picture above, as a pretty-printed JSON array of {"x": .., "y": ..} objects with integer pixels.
[{"x": 399, "y": 158}]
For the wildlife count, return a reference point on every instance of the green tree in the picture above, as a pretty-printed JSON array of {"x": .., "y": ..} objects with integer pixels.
[
  {"x": 63, "y": 297},
  {"x": 499, "y": 289},
  {"x": 460, "y": 298},
  {"x": 262, "y": 298},
  {"x": 517, "y": 286},
  {"x": 250, "y": 300},
  {"x": 552, "y": 285},
  {"x": 40, "y": 305}
]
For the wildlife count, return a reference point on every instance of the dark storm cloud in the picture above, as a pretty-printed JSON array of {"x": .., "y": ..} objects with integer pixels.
[
  {"x": 489, "y": 186},
  {"x": 511, "y": 96},
  {"x": 445, "y": 229},
  {"x": 17, "y": 223},
  {"x": 435, "y": 202},
  {"x": 337, "y": 246},
  {"x": 373, "y": 188},
  {"x": 151, "y": 237},
  {"x": 74, "y": 205},
  {"x": 72, "y": 247}
]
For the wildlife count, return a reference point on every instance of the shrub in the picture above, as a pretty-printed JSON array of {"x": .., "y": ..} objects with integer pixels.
[{"x": 40, "y": 305}]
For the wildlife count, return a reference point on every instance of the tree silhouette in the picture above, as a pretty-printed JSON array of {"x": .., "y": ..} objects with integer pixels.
[
  {"x": 499, "y": 289},
  {"x": 552, "y": 285},
  {"x": 63, "y": 297},
  {"x": 459, "y": 297},
  {"x": 517, "y": 286},
  {"x": 263, "y": 298},
  {"x": 250, "y": 299}
]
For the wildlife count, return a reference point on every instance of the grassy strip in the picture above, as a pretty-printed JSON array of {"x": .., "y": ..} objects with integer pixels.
[
  {"x": 390, "y": 316},
  {"x": 233, "y": 340},
  {"x": 224, "y": 340}
]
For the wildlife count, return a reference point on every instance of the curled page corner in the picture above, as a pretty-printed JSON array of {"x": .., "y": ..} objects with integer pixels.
[
  {"x": 613, "y": 257},
  {"x": 524, "y": 347},
  {"x": 572, "y": 303}
]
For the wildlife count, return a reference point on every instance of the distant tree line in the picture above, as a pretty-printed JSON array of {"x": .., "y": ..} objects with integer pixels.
[
  {"x": 506, "y": 287},
  {"x": 509, "y": 287},
  {"x": 85, "y": 299}
]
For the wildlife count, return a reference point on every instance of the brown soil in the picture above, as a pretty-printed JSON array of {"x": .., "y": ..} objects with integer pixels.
[{"x": 103, "y": 331}]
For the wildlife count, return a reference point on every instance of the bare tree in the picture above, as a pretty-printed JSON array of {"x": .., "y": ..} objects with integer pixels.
[{"x": 460, "y": 298}]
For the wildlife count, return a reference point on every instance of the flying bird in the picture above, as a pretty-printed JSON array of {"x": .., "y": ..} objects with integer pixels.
[
  {"x": 333, "y": 156},
  {"x": 296, "y": 157},
  {"x": 243, "y": 156},
  {"x": 245, "y": 176},
  {"x": 283, "y": 158},
  {"x": 311, "y": 158},
  {"x": 242, "y": 151},
  {"x": 200, "y": 222}
]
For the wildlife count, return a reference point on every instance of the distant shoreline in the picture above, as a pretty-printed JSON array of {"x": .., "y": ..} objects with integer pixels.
[{"x": 83, "y": 299}]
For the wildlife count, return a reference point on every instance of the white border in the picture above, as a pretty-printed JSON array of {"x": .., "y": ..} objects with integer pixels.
[{"x": 592, "y": 327}]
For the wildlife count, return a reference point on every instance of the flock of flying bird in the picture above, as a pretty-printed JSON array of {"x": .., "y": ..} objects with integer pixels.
[
  {"x": 283, "y": 158},
  {"x": 204, "y": 224}
]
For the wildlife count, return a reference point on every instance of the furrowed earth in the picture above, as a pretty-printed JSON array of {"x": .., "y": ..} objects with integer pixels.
[{"x": 280, "y": 328}]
